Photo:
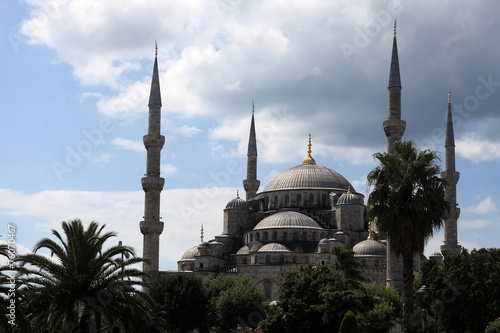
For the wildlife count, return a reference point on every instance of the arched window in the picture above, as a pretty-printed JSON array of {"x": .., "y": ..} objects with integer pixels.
[
  {"x": 266, "y": 203},
  {"x": 201, "y": 265},
  {"x": 287, "y": 200},
  {"x": 299, "y": 200},
  {"x": 323, "y": 200},
  {"x": 285, "y": 236},
  {"x": 268, "y": 259},
  {"x": 251, "y": 237},
  {"x": 265, "y": 235},
  {"x": 276, "y": 202},
  {"x": 257, "y": 237},
  {"x": 256, "y": 259},
  {"x": 304, "y": 236},
  {"x": 275, "y": 235},
  {"x": 315, "y": 236},
  {"x": 311, "y": 199},
  {"x": 295, "y": 236},
  {"x": 244, "y": 260}
]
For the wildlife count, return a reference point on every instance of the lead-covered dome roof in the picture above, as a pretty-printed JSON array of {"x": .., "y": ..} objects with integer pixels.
[
  {"x": 237, "y": 203},
  {"x": 369, "y": 247},
  {"x": 308, "y": 176},
  {"x": 349, "y": 199},
  {"x": 287, "y": 220},
  {"x": 191, "y": 253},
  {"x": 274, "y": 247}
]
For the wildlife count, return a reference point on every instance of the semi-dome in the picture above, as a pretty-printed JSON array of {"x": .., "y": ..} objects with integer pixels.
[
  {"x": 243, "y": 250},
  {"x": 191, "y": 253},
  {"x": 237, "y": 203},
  {"x": 287, "y": 220},
  {"x": 349, "y": 198},
  {"x": 274, "y": 247},
  {"x": 369, "y": 247},
  {"x": 308, "y": 176}
]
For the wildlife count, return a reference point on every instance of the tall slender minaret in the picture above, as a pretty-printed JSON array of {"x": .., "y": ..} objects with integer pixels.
[
  {"x": 251, "y": 184},
  {"x": 394, "y": 129},
  {"x": 451, "y": 176},
  {"x": 152, "y": 183}
]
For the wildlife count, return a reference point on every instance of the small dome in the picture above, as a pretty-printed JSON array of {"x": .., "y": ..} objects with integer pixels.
[
  {"x": 324, "y": 241},
  {"x": 191, "y": 253},
  {"x": 349, "y": 199},
  {"x": 243, "y": 250},
  {"x": 287, "y": 220},
  {"x": 237, "y": 203},
  {"x": 369, "y": 247},
  {"x": 274, "y": 247},
  {"x": 436, "y": 254},
  {"x": 204, "y": 244}
]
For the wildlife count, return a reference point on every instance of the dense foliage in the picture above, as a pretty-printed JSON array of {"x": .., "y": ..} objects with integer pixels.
[
  {"x": 407, "y": 204},
  {"x": 465, "y": 291},
  {"x": 182, "y": 301},
  {"x": 349, "y": 323},
  {"x": 316, "y": 298},
  {"x": 233, "y": 301},
  {"x": 85, "y": 287}
]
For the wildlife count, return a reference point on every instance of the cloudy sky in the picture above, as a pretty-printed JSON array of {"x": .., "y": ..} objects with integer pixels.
[{"x": 76, "y": 76}]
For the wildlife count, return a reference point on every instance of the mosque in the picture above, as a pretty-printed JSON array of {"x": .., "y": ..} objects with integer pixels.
[{"x": 299, "y": 215}]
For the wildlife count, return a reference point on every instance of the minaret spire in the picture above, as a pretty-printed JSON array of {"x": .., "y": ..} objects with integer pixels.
[
  {"x": 451, "y": 176},
  {"x": 394, "y": 127},
  {"x": 251, "y": 184},
  {"x": 152, "y": 183}
]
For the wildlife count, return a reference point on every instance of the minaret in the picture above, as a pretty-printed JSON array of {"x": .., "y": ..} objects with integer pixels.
[
  {"x": 451, "y": 176},
  {"x": 152, "y": 183},
  {"x": 251, "y": 184},
  {"x": 394, "y": 129}
]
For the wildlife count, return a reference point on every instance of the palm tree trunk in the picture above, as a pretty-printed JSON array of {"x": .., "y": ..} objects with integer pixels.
[{"x": 408, "y": 296}]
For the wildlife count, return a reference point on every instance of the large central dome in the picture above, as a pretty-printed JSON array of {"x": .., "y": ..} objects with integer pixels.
[{"x": 308, "y": 176}]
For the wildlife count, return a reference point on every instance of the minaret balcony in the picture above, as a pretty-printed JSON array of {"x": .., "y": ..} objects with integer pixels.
[
  {"x": 152, "y": 183},
  {"x": 153, "y": 141},
  {"x": 151, "y": 227}
]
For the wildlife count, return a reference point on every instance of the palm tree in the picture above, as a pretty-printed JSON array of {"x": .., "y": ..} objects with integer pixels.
[
  {"x": 407, "y": 204},
  {"x": 85, "y": 287}
]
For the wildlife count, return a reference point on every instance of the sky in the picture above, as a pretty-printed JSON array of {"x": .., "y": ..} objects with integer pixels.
[{"x": 76, "y": 76}]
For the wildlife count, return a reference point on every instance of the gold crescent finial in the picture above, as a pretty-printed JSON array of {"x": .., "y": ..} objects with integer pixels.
[
  {"x": 201, "y": 236},
  {"x": 394, "y": 27},
  {"x": 237, "y": 194},
  {"x": 309, "y": 159},
  {"x": 253, "y": 107},
  {"x": 449, "y": 96},
  {"x": 349, "y": 189},
  {"x": 370, "y": 231},
  {"x": 156, "y": 49}
]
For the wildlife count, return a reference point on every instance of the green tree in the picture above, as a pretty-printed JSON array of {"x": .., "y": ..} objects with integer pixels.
[
  {"x": 493, "y": 326},
  {"x": 86, "y": 287},
  {"x": 233, "y": 300},
  {"x": 349, "y": 323},
  {"x": 465, "y": 291},
  {"x": 182, "y": 300},
  {"x": 407, "y": 204},
  {"x": 316, "y": 298}
]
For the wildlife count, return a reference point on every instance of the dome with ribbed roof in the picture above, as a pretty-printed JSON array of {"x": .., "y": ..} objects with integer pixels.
[
  {"x": 369, "y": 247},
  {"x": 287, "y": 220},
  {"x": 237, "y": 203},
  {"x": 308, "y": 176},
  {"x": 191, "y": 253},
  {"x": 274, "y": 247},
  {"x": 349, "y": 198},
  {"x": 243, "y": 250}
]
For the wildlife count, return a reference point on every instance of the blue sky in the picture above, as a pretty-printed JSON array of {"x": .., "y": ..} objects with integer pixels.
[{"x": 76, "y": 76}]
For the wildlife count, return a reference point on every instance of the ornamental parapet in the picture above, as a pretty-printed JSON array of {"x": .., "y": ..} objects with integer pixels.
[
  {"x": 151, "y": 227},
  {"x": 394, "y": 127},
  {"x": 152, "y": 183},
  {"x": 154, "y": 142}
]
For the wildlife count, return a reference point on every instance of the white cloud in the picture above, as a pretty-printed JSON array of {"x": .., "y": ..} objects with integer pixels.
[
  {"x": 133, "y": 145},
  {"x": 472, "y": 147},
  {"x": 484, "y": 207},
  {"x": 183, "y": 211},
  {"x": 168, "y": 169},
  {"x": 473, "y": 224}
]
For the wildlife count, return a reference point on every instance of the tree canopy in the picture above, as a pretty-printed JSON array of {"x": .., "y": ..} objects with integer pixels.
[
  {"x": 407, "y": 204},
  {"x": 465, "y": 291}
]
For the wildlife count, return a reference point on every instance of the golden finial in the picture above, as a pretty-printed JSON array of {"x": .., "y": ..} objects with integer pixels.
[
  {"x": 156, "y": 49},
  {"x": 201, "y": 236},
  {"x": 309, "y": 159},
  {"x": 253, "y": 107},
  {"x": 349, "y": 189},
  {"x": 370, "y": 231},
  {"x": 449, "y": 96},
  {"x": 237, "y": 194},
  {"x": 394, "y": 27}
]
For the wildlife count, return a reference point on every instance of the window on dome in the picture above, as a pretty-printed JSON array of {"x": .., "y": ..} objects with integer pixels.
[
  {"x": 311, "y": 199},
  {"x": 275, "y": 235},
  {"x": 287, "y": 200}
]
